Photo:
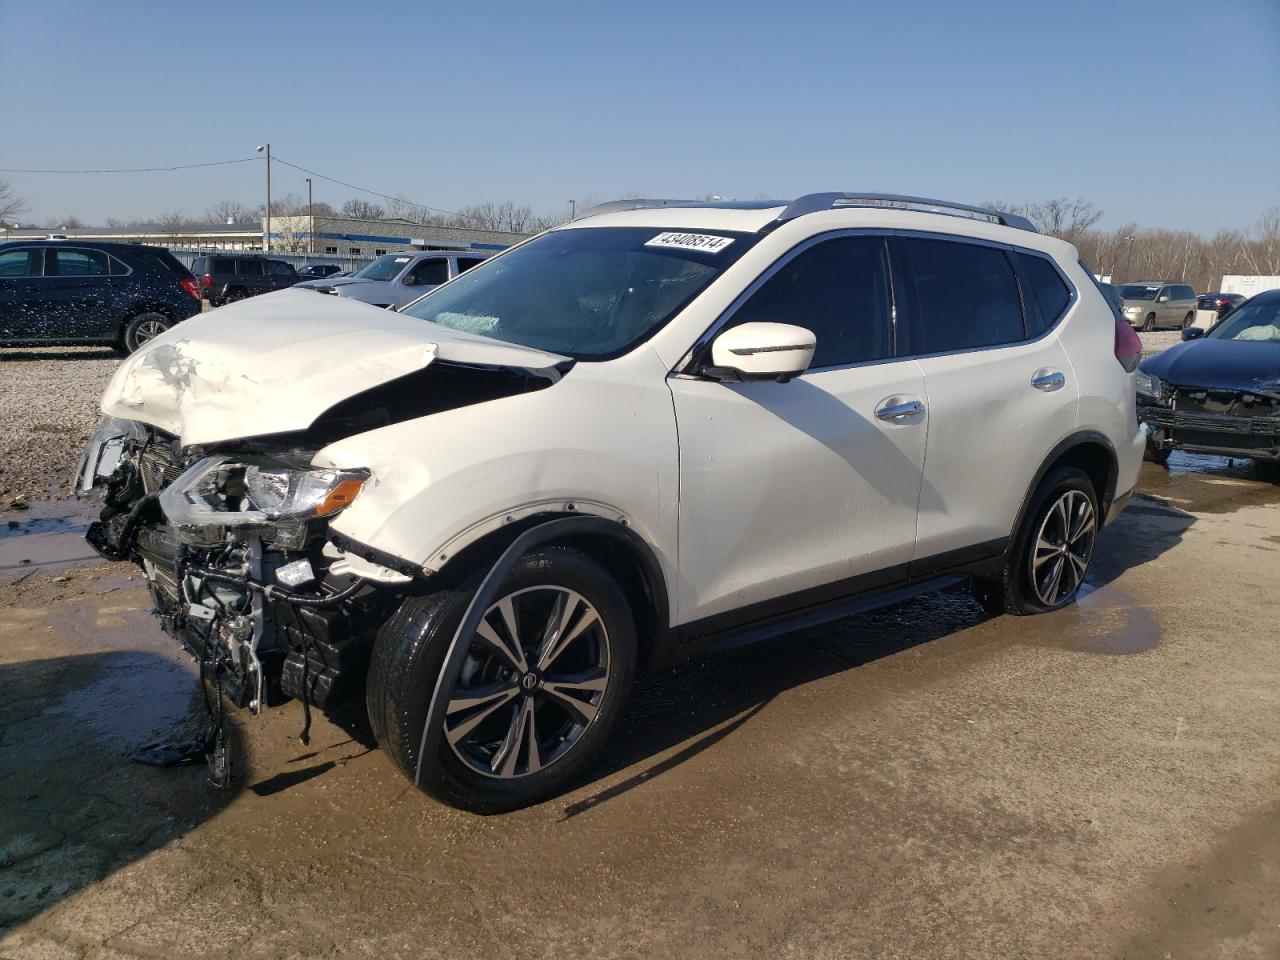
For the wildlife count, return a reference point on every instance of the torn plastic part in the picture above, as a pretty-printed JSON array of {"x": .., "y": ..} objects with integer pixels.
[{"x": 349, "y": 564}]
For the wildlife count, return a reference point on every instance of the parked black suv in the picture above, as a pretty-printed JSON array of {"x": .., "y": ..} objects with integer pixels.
[
  {"x": 74, "y": 291},
  {"x": 228, "y": 277},
  {"x": 318, "y": 271}
]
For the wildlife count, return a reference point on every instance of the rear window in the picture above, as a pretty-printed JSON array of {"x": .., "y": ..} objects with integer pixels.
[
  {"x": 960, "y": 296},
  {"x": 1139, "y": 291}
]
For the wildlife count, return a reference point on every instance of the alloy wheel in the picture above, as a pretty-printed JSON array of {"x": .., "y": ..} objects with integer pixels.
[
  {"x": 1063, "y": 546},
  {"x": 533, "y": 682},
  {"x": 148, "y": 330}
]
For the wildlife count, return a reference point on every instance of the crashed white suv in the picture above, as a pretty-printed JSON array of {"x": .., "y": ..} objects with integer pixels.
[{"x": 662, "y": 428}]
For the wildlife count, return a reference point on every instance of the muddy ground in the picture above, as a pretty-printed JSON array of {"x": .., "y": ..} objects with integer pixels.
[{"x": 920, "y": 782}]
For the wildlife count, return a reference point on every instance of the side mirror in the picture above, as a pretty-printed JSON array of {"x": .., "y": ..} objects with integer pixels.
[
  {"x": 409, "y": 280},
  {"x": 761, "y": 351},
  {"x": 1163, "y": 300},
  {"x": 1192, "y": 333}
]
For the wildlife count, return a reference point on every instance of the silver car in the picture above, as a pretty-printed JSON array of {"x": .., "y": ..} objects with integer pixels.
[
  {"x": 394, "y": 279},
  {"x": 1152, "y": 304}
]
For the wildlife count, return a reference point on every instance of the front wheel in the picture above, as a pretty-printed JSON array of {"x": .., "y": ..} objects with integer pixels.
[
  {"x": 1149, "y": 324},
  {"x": 1050, "y": 553},
  {"x": 537, "y": 695}
]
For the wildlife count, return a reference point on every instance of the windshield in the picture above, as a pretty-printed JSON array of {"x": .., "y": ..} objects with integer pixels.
[
  {"x": 588, "y": 292},
  {"x": 1138, "y": 291},
  {"x": 1252, "y": 321},
  {"x": 384, "y": 268}
]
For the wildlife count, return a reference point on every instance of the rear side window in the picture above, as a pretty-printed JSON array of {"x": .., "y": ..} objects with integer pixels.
[
  {"x": 223, "y": 265},
  {"x": 838, "y": 289},
  {"x": 1048, "y": 294},
  {"x": 466, "y": 263},
  {"x": 1186, "y": 293},
  {"x": 960, "y": 296},
  {"x": 161, "y": 260},
  {"x": 78, "y": 263},
  {"x": 250, "y": 268},
  {"x": 21, "y": 263},
  {"x": 118, "y": 268}
]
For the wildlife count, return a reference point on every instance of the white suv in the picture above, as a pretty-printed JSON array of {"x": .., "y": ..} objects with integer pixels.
[{"x": 662, "y": 428}]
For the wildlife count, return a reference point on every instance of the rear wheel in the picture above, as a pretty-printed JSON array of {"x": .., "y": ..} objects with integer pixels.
[
  {"x": 235, "y": 294},
  {"x": 144, "y": 327},
  {"x": 1050, "y": 554},
  {"x": 542, "y": 685}
]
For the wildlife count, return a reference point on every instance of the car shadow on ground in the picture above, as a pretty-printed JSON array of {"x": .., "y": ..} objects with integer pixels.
[
  {"x": 73, "y": 809},
  {"x": 15, "y": 354},
  {"x": 690, "y": 708}
]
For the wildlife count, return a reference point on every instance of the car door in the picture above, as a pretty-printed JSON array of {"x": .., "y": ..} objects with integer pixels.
[
  {"x": 21, "y": 307},
  {"x": 280, "y": 275},
  {"x": 77, "y": 294},
  {"x": 999, "y": 386},
  {"x": 423, "y": 277},
  {"x": 803, "y": 491},
  {"x": 250, "y": 275}
]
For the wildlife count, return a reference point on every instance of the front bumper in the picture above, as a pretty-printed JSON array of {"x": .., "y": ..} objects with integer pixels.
[{"x": 1225, "y": 434}]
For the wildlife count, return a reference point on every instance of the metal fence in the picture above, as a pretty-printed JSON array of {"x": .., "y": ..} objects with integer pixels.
[{"x": 187, "y": 256}]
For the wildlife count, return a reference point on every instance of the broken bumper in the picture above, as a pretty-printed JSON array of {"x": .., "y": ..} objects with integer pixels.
[{"x": 1226, "y": 434}]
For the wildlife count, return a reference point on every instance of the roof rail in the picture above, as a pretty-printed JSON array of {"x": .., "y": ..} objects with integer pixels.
[
  {"x": 615, "y": 206},
  {"x": 815, "y": 202}
]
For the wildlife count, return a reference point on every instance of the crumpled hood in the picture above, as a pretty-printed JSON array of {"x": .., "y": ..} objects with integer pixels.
[
  {"x": 274, "y": 363},
  {"x": 1247, "y": 366}
]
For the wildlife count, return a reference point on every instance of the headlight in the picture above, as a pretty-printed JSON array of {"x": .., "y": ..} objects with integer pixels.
[
  {"x": 104, "y": 450},
  {"x": 1132, "y": 310},
  {"x": 219, "y": 491},
  {"x": 1149, "y": 385}
]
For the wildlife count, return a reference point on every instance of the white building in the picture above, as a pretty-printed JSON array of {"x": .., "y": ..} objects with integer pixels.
[{"x": 1235, "y": 283}]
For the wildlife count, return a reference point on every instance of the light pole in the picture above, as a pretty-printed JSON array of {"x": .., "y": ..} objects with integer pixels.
[
  {"x": 1128, "y": 254},
  {"x": 266, "y": 240},
  {"x": 311, "y": 215},
  {"x": 573, "y": 209}
]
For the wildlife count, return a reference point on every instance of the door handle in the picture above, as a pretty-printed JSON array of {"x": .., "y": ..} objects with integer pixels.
[
  {"x": 901, "y": 410},
  {"x": 1048, "y": 380}
]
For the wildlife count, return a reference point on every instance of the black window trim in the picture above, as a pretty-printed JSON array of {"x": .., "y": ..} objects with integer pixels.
[{"x": 698, "y": 354}]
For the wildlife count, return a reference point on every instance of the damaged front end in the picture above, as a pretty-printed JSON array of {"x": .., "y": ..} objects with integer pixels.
[
  {"x": 1211, "y": 420},
  {"x": 238, "y": 561}
]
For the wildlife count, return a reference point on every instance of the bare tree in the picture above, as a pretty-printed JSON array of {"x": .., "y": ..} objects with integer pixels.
[
  {"x": 358, "y": 209},
  {"x": 70, "y": 222},
  {"x": 12, "y": 206},
  {"x": 173, "y": 225},
  {"x": 230, "y": 211}
]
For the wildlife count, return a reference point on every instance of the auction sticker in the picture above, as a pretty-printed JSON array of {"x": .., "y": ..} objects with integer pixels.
[{"x": 690, "y": 241}]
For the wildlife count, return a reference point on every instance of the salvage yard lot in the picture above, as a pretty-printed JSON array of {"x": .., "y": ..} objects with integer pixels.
[{"x": 924, "y": 781}]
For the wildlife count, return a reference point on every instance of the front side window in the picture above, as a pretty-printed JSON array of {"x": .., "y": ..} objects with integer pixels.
[
  {"x": 960, "y": 296},
  {"x": 838, "y": 290},
  {"x": 1252, "y": 321},
  {"x": 278, "y": 268},
  {"x": 21, "y": 263},
  {"x": 250, "y": 268},
  {"x": 77, "y": 263},
  {"x": 586, "y": 292},
  {"x": 430, "y": 272}
]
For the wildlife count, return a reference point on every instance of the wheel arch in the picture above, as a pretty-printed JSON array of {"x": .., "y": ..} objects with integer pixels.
[
  {"x": 1088, "y": 450},
  {"x": 623, "y": 552}
]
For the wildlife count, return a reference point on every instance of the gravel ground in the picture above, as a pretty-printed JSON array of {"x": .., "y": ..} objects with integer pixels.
[{"x": 50, "y": 398}]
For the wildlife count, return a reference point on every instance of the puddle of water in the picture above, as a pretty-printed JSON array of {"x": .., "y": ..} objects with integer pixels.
[
  {"x": 47, "y": 535},
  {"x": 137, "y": 696},
  {"x": 1103, "y": 620}
]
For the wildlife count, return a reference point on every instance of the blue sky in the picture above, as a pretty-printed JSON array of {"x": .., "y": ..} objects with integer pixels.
[{"x": 1161, "y": 112}]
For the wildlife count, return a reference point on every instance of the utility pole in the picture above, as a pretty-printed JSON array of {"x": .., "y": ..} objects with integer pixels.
[
  {"x": 311, "y": 215},
  {"x": 573, "y": 209},
  {"x": 1128, "y": 257},
  {"x": 266, "y": 240}
]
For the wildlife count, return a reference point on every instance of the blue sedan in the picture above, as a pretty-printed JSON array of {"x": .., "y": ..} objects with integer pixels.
[{"x": 1218, "y": 391}]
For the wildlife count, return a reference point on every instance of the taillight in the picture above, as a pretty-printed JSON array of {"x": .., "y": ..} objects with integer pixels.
[
  {"x": 189, "y": 284},
  {"x": 1128, "y": 346},
  {"x": 208, "y": 280}
]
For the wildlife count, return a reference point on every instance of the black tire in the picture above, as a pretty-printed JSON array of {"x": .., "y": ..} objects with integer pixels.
[
  {"x": 1013, "y": 590},
  {"x": 1149, "y": 324},
  {"x": 411, "y": 648},
  {"x": 236, "y": 294},
  {"x": 143, "y": 327},
  {"x": 1154, "y": 454},
  {"x": 1188, "y": 320}
]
